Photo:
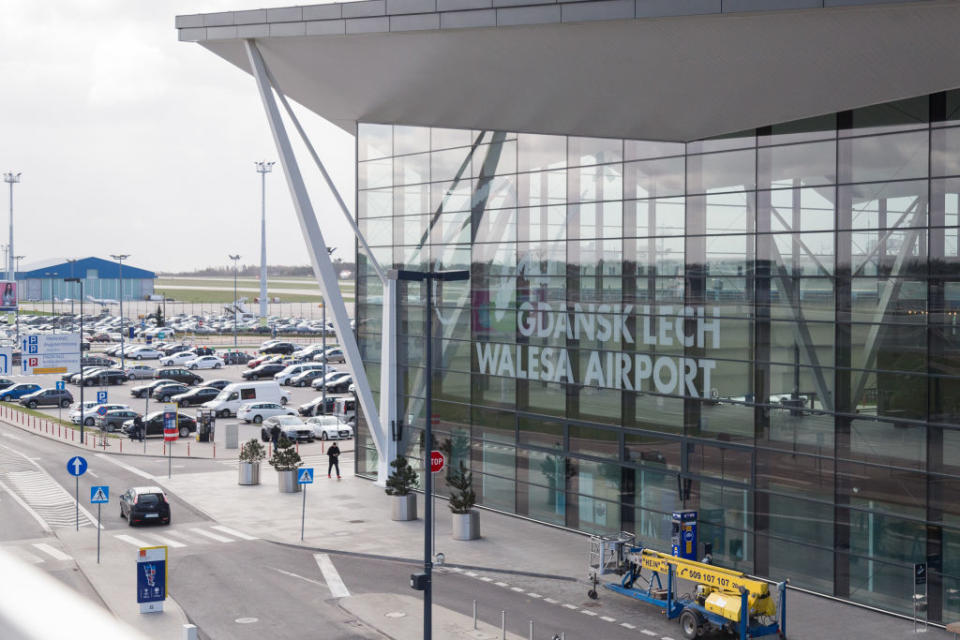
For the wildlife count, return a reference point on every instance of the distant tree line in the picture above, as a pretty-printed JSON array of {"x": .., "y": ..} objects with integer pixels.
[{"x": 253, "y": 270}]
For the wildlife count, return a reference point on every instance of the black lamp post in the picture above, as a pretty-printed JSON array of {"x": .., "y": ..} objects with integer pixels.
[
  {"x": 429, "y": 277},
  {"x": 82, "y": 381}
]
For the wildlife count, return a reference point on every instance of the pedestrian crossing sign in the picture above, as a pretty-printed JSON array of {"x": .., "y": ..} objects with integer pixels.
[
  {"x": 305, "y": 476},
  {"x": 99, "y": 494}
]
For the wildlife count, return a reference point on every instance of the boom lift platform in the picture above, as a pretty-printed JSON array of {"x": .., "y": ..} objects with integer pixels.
[{"x": 719, "y": 598}]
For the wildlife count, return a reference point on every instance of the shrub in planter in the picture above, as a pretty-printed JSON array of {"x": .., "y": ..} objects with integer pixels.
[
  {"x": 286, "y": 461},
  {"x": 466, "y": 521},
  {"x": 400, "y": 484},
  {"x": 251, "y": 455}
]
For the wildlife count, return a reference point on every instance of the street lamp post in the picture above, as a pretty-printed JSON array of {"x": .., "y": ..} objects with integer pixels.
[
  {"x": 11, "y": 178},
  {"x": 120, "y": 258},
  {"x": 263, "y": 168},
  {"x": 18, "y": 259},
  {"x": 429, "y": 278},
  {"x": 330, "y": 251},
  {"x": 82, "y": 381},
  {"x": 235, "y": 258},
  {"x": 49, "y": 276}
]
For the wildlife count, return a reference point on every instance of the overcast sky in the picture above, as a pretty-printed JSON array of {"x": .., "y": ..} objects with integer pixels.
[{"x": 133, "y": 142}]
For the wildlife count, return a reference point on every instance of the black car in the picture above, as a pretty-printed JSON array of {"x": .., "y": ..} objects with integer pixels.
[
  {"x": 304, "y": 378},
  {"x": 236, "y": 357},
  {"x": 196, "y": 395},
  {"x": 204, "y": 351},
  {"x": 263, "y": 371},
  {"x": 144, "y": 390},
  {"x": 217, "y": 384},
  {"x": 285, "y": 348},
  {"x": 180, "y": 375},
  {"x": 165, "y": 392},
  {"x": 113, "y": 420},
  {"x": 140, "y": 505},
  {"x": 97, "y": 361},
  {"x": 315, "y": 407},
  {"x": 6, "y": 383},
  {"x": 104, "y": 377},
  {"x": 47, "y": 397},
  {"x": 170, "y": 349},
  {"x": 153, "y": 425}
]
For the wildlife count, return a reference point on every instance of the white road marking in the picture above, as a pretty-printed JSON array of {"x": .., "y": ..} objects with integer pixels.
[
  {"x": 486, "y": 579},
  {"x": 10, "y": 435},
  {"x": 551, "y": 600},
  {"x": 131, "y": 540},
  {"x": 647, "y": 633},
  {"x": 534, "y": 595},
  {"x": 501, "y": 584},
  {"x": 569, "y": 606},
  {"x": 627, "y": 625},
  {"x": 457, "y": 569},
  {"x": 666, "y": 638},
  {"x": 589, "y": 613},
  {"x": 472, "y": 574},
  {"x": 92, "y": 474},
  {"x": 608, "y": 619},
  {"x": 293, "y": 575},
  {"x": 212, "y": 536},
  {"x": 56, "y": 554},
  {"x": 27, "y": 508},
  {"x": 517, "y": 589},
  {"x": 128, "y": 467},
  {"x": 170, "y": 542},
  {"x": 330, "y": 574},
  {"x": 232, "y": 532}
]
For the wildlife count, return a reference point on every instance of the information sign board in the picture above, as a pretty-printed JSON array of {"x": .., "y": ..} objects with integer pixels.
[{"x": 151, "y": 578}]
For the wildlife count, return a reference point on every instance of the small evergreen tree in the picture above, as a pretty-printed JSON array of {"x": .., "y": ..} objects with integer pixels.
[
  {"x": 252, "y": 451},
  {"x": 462, "y": 496},
  {"x": 403, "y": 479},
  {"x": 285, "y": 457}
]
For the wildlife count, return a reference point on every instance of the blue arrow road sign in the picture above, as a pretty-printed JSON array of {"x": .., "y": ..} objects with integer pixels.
[
  {"x": 305, "y": 476},
  {"x": 99, "y": 494},
  {"x": 77, "y": 466},
  {"x": 101, "y": 396},
  {"x": 61, "y": 385}
]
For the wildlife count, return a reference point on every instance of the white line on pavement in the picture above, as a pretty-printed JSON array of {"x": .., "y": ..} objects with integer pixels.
[
  {"x": 627, "y": 625},
  {"x": 170, "y": 542},
  {"x": 232, "y": 532},
  {"x": 9, "y": 435},
  {"x": 293, "y": 575},
  {"x": 472, "y": 574},
  {"x": 27, "y": 508},
  {"x": 570, "y": 606},
  {"x": 130, "y": 468},
  {"x": 131, "y": 540},
  {"x": 56, "y": 554},
  {"x": 486, "y": 579},
  {"x": 647, "y": 633},
  {"x": 608, "y": 619},
  {"x": 212, "y": 536},
  {"x": 534, "y": 595},
  {"x": 92, "y": 474},
  {"x": 332, "y": 577},
  {"x": 589, "y": 613},
  {"x": 666, "y": 638},
  {"x": 551, "y": 600},
  {"x": 501, "y": 584}
]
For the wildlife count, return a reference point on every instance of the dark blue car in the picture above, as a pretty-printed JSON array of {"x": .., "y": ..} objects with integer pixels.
[{"x": 17, "y": 390}]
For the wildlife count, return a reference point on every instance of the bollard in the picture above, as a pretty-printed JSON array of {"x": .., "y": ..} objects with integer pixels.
[
  {"x": 121, "y": 445},
  {"x": 474, "y": 615},
  {"x": 503, "y": 625},
  {"x": 188, "y": 449},
  {"x": 214, "y": 449},
  {"x": 530, "y": 636},
  {"x": 164, "y": 447},
  {"x": 189, "y": 632}
]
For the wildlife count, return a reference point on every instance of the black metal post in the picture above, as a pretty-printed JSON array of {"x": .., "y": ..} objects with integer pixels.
[{"x": 82, "y": 381}]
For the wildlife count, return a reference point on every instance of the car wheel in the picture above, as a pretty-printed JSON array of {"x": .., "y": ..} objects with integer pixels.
[
  {"x": 88, "y": 422},
  {"x": 139, "y": 357},
  {"x": 225, "y": 413},
  {"x": 216, "y": 365},
  {"x": 89, "y": 382},
  {"x": 165, "y": 399},
  {"x": 257, "y": 419},
  {"x": 64, "y": 403},
  {"x": 184, "y": 432},
  {"x": 323, "y": 436},
  {"x": 32, "y": 404},
  {"x": 283, "y": 401},
  {"x": 193, "y": 367},
  {"x": 129, "y": 521}
]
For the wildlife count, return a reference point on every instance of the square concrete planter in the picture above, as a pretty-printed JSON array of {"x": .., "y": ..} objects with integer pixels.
[
  {"x": 287, "y": 481},
  {"x": 404, "y": 507},
  {"x": 466, "y": 526},
  {"x": 249, "y": 473}
]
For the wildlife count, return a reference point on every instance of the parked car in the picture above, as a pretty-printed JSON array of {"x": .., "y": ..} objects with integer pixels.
[
  {"x": 6, "y": 383},
  {"x": 153, "y": 425},
  {"x": 205, "y": 362},
  {"x": 144, "y": 353},
  {"x": 335, "y": 382},
  {"x": 204, "y": 351},
  {"x": 330, "y": 428},
  {"x": 263, "y": 371},
  {"x": 236, "y": 357},
  {"x": 170, "y": 349},
  {"x": 314, "y": 407},
  {"x": 165, "y": 392},
  {"x": 257, "y": 412},
  {"x": 145, "y": 390},
  {"x": 332, "y": 354},
  {"x": 285, "y": 348},
  {"x": 181, "y": 357},
  {"x": 180, "y": 375},
  {"x": 304, "y": 378},
  {"x": 290, "y": 426},
  {"x": 290, "y": 371},
  {"x": 47, "y": 397},
  {"x": 17, "y": 391},
  {"x": 113, "y": 420},
  {"x": 103, "y": 377},
  {"x": 217, "y": 384},
  {"x": 195, "y": 396},
  {"x": 97, "y": 361},
  {"x": 89, "y": 411},
  {"x": 140, "y": 372},
  {"x": 140, "y": 505}
]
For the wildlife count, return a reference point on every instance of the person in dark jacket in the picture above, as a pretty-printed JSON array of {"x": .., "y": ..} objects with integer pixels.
[
  {"x": 333, "y": 455},
  {"x": 275, "y": 435},
  {"x": 138, "y": 431}
]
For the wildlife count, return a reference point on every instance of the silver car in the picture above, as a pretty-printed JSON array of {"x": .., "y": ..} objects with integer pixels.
[{"x": 140, "y": 372}]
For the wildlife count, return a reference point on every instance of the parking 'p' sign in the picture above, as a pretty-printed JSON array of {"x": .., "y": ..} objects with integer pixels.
[{"x": 436, "y": 462}]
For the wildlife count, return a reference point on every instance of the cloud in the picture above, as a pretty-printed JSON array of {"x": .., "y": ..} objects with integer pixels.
[{"x": 126, "y": 71}]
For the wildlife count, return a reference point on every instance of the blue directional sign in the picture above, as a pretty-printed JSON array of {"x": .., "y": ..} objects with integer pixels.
[
  {"x": 77, "y": 466},
  {"x": 305, "y": 476},
  {"x": 101, "y": 397},
  {"x": 61, "y": 385},
  {"x": 99, "y": 494}
]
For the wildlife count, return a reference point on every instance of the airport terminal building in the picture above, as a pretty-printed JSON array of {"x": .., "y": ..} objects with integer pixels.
[{"x": 734, "y": 292}]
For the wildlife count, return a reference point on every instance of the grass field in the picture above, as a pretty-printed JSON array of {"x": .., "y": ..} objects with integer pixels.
[
  {"x": 280, "y": 283},
  {"x": 220, "y": 290}
]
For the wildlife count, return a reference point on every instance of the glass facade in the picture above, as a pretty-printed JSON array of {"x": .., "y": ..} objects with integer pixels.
[{"x": 762, "y": 327}]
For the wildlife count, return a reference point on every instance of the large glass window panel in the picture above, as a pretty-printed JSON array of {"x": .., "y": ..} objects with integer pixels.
[
  {"x": 590, "y": 151},
  {"x": 410, "y": 139},
  {"x": 722, "y": 463},
  {"x": 797, "y": 165},
  {"x": 888, "y": 443},
  {"x": 494, "y": 391},
  {"x": 808, "y": 209},
  {"x": 654, "y": 178},
  {"x": 451, "y": 196},
  {"x": 892, "y": 205},
  {"x": 452, "y": 164},
  {"x": 599, "y": 404},
  {"x": 374, "y": 141},
  {"x": 659, "y": 217},
  {"x": 539, "y": 152},
  {"x": 499, "y": 192},
  {"x": 598, "y": 496},
  {"x": 725, "y": 521},
  {"x": 450, "y": 138},
  {"x": 411, "y": 199},
  {"x": 652, "y": 450},
  {"x": 373, "y": 174},
  {"x": 945, "y": 154},
  {"x": 500, "y": 157},
  {"x": 600, "y": 182},
  {"x": 816, "y": 128},
  {"x": 377, "y": 231},
  {"x": 899, "y": 156},
  {"x": 900, "y": 115},
  {"x": 540, "y": 432},
  {"x": 544, "y": 478},
  {"x": 721, "y": 172},
  {"x": 497, "y": 477},
  {"x": 808, "y": 567},
  {"x": 659, "y": 413},
  {"x": 546, "y": 397},
  {"x": 412, "y": 169},
  {"x": 644, "y": 149},
  {"x": 543, "y": 223},
  {"x": 542, "y": 188},
  {"x": 375, "y": 203},
  {"x": 721, "y": 213},
  {"x": 729, "y": 419},
  {"x": 796, "y": 474},
  {"x": 656, "y": 499}
]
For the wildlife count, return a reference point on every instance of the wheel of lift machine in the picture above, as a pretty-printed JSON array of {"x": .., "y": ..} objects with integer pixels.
[
  {"x": 592, "y": 594},
  {"x": 691, "y": 624}
]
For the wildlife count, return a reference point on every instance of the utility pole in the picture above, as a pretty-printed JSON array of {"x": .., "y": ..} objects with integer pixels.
[
  {"x": 235, "y": 258},
  {"x": 330, "y": 251},
  {"x": 18, "y": 259},
  {"x": 82, "y": 381},
  {"x": 120, "y": 258},
  {"x": 11, "y": 178},
  {"x": 263, "y": 168}
]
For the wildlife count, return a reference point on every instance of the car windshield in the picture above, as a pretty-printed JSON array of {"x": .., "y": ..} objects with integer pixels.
[{"x": 148, "y": 498}]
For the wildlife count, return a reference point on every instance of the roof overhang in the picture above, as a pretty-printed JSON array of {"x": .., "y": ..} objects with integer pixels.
[{"x": 668, "y": 78}]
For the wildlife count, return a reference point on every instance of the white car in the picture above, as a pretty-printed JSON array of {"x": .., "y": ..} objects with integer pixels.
[
  {"x": 180, "y": 357},
  {"x": 205, "y": 362},
  {"x": 144, "y": 353},
  {"x": 259, "y": 411},
  {"x": 293, "y": 370},
  {"x": 89, "y": 411},
  {"x": 330, "y": 428},
  {"x": 333, "y": 354}
]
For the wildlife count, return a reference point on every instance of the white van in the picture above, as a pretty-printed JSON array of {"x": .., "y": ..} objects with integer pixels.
[{"x": 238, "y": 394}]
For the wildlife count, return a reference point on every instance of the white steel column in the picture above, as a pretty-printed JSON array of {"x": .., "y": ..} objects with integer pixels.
[
  {"x": 317, "y": 248},
  {"x": 388, "y": 382}
]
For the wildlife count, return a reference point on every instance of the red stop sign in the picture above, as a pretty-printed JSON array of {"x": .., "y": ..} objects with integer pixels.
[{"x": 436, "y": 461}]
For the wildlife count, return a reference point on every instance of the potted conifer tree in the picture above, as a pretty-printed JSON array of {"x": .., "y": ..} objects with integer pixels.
[
  {"x": 251, "y": 455},
  {"x": 286, "y": 461},
  {"x": 400, "y": 484},
  {"x": 466, "y": 521}
]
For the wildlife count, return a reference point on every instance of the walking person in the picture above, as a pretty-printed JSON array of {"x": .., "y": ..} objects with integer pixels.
[
  {"x": 138, "y": 433},
  {"x": 275, "y": 435},
  {"x": 333, "y": 455}
]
